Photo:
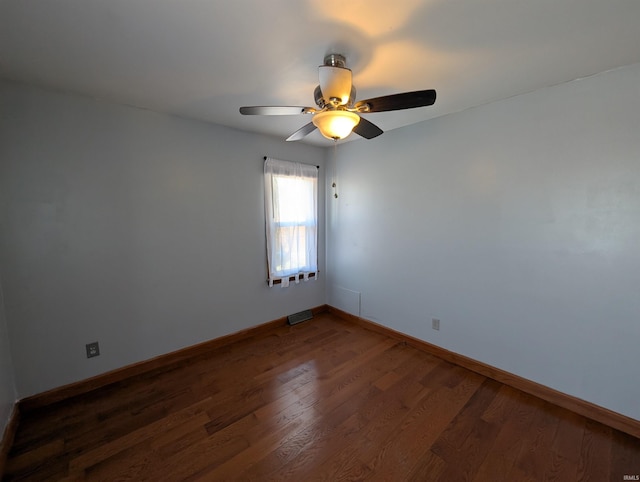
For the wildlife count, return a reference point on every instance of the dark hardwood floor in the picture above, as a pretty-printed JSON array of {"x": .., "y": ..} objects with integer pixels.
[{"x": 323, "y": 400}]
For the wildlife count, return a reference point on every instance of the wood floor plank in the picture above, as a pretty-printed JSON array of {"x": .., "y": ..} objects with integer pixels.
[
  {"x": 515, "y": 417},
  {"x": 536, "y": 457},
  {"x": 194, "y": 413},
  {"x": 595, "y": 456},
  {"x": 429, "y": 467},
  {"x": 340, "y": 397},
  {"x": 40, "y": 455},
  {"x": 322, "y": 400},
  {"x": 565, "y": 448},
  {"x": 468, "y": 437},
  {"x": 414, "y": 434},
  {"x": 135, "y": 462},
  {"x": 374, "y": 405},
  {"x": 624, "y": 456}
]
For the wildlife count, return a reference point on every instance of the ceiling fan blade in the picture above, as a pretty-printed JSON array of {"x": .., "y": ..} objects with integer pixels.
[
  {"x": 275, "y": 110},
  {"x": 367, "y": 129},
  {"x": 406, "y": 100},
  {"x": 302, "y": 132}
]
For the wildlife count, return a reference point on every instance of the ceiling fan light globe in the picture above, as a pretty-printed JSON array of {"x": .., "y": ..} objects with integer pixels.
[{"x": 335, "y": 124}]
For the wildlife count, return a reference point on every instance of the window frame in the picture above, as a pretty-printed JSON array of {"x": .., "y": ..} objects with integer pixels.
[{"x": 304, "y": 230}]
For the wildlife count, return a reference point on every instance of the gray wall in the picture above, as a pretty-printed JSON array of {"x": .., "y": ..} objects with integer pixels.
[
  {"x": 139, "y": 230},
  {"x": 516, "y": 223},
  {"x": 7, "y": 383}
]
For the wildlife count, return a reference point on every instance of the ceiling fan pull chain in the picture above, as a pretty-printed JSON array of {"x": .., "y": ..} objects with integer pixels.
[{"x": 335, "y": 163}]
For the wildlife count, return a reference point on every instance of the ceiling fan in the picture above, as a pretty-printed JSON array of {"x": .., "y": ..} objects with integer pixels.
[{"x": 338, "y": 114}]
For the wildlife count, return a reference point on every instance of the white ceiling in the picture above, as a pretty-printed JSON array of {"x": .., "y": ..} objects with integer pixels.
[{"x": 203, "y": 59}]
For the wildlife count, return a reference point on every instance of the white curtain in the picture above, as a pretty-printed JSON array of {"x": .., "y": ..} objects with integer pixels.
[{"x": 291, "y": 209}]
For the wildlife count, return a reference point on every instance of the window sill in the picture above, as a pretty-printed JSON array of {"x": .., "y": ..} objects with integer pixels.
[{"x": 293, "y": 278}]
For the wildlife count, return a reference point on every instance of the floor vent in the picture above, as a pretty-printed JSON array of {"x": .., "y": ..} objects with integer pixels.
[{"x": 300, "y": 317}]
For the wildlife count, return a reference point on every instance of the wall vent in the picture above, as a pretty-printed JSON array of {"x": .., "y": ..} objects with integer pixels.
[{"x": 299, "y": 317}]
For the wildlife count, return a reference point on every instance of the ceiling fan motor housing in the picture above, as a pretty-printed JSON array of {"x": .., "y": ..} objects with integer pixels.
[
  {"x": 322, "y": 103},
  {"x": 335, "y": 80}
]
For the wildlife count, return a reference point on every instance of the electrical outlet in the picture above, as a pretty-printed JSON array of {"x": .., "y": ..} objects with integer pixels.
[
  {"x": 93, "y": 349},
  {"x": 435, "y": 324}
]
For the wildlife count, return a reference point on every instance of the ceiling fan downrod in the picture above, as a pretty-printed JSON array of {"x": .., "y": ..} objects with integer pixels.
[{"x": 335, "y": 60}]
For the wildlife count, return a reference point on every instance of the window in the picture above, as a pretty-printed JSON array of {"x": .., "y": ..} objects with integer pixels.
[{"x": 291, "y": 209}]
